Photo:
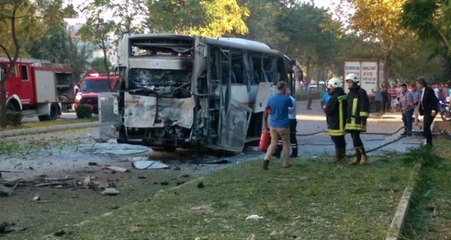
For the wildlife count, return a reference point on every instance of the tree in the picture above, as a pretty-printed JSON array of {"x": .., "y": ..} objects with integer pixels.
[
  {"x": 128, "y": 14},
  {"x": 55, "y": 45},
  {"x": 18, "y": 25},
  {"x": 431, "y": 20},
  {"x": 97, "y": 65},
  {"x": 205, "y": 17},
  {"x": 378, "y": 22},
  {"x": 311, "y": 34},
  {"x": 97, "y": 30}
]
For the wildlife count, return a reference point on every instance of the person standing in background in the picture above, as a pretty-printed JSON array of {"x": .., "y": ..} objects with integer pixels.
[
  {"x": 310, "y": 94},
  {"x": 385, "y": 100},
  {"x": 428, "y": 108},
  {"x": 416, "y": 99},
  {"x": 407, "y": 108},
  {"x": 377, "y": 98}
]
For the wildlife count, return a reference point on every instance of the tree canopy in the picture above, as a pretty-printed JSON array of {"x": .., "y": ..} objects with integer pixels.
[{"x": 205, "y": 17}]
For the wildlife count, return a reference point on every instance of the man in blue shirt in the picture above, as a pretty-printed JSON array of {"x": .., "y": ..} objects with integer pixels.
[
  {"x": 293, "y": 124},
  {"x": 278, "y": 106}
]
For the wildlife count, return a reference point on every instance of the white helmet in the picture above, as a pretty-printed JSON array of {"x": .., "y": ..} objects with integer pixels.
[
  {"x": 353, "y": 78},
  {"x": 334, "y": 82}
]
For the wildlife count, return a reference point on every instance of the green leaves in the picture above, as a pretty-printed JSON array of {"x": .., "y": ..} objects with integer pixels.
[{"x": 206, "y": 17}]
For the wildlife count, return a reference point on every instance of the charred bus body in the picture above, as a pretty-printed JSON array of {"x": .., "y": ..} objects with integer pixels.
[{"x": 183, "y": 91}]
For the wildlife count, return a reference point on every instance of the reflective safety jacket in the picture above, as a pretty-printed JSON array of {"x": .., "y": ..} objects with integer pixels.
[
  {"x": 358, "y": 108},
  {"x": 336, "y": 113}
]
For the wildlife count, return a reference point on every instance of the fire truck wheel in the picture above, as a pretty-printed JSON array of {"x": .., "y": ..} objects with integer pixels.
[{"x": 11, "y": 107}]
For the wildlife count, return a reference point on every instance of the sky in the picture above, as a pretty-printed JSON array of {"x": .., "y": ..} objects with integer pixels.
[{"x": 322, "y": 3}]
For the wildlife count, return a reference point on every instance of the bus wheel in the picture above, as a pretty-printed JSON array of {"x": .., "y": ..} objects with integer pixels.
[
  {"x": 52, "y": 116},
  {"x": 53, "y": 112}
]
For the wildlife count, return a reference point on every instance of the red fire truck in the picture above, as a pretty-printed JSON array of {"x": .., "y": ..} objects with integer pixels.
[
  {"x": 39, "y": 87},
  {"x": 93, "y": 84}
]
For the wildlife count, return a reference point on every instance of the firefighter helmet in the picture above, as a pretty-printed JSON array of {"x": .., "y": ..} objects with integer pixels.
[
  {"x": 334, "y": 82},
  {"x": 353, "y": 78}
]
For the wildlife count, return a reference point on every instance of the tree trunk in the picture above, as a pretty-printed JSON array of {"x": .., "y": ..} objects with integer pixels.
[
  {"x": 105, "y": 62},
  {"x": 387, "y": 67},
  {"x": 3, "y": 101}
]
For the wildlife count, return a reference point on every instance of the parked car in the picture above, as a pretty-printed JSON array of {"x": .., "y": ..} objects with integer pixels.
[{"x": 92, "y": 85}]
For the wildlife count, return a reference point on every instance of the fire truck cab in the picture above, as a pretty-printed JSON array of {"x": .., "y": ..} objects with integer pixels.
[
  {"x": 38, "y": 87},
  {"x": 92, "y": 85}
]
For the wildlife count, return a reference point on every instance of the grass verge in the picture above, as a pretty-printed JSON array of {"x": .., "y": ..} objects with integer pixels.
[
  {"x": 311, "y": 200},
  {"x": 26, "y": 125},
  {"x": 430, "y": 214}
]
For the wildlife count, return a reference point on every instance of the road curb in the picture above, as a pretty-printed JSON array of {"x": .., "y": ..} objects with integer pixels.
[
  {"x": 397, "y": 224},
  {"x": 27, "y": 131}
]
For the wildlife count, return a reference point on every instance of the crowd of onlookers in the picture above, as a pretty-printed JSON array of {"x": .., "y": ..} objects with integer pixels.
[{"x": 389, "y": 99}]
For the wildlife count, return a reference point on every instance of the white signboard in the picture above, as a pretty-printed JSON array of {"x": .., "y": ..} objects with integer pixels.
[{"x": 369, "y": 72}]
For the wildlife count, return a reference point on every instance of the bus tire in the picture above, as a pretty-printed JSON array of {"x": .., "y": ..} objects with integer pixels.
[{"x": 52, "y": 116}]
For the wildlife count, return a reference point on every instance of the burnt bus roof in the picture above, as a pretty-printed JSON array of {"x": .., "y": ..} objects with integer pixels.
[{"x": 237, "y": 43}]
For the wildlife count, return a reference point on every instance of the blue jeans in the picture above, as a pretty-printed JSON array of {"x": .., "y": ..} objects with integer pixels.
[{"x": 407, "y": 119}]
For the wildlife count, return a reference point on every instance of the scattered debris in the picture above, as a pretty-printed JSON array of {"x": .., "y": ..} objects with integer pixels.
[
  {"x": 303, "y": 178},
  {"x": 36, "y": 198},
  {"x": 254, "y": 217},
  {"x": 3, "y": 226},
  {"x": 110, "y": 191},
  {"x": 48, "y": 184},
  {"x": 200, "y": 185},
  {"x": 141, "y": 165},
  {"x": 59, "y": 233},
  {"x": 117, "y": 169},
  {"x": 202, "y": 209},
  {"x": 65, "y": 178},
  {"x": 6, "y": 191},
  {"x": 87, "y": 182},
  {"x": 10, "y": 227}
]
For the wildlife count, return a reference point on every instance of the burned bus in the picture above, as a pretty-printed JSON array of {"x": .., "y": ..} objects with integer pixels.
[{"x": 195, "y": 92}]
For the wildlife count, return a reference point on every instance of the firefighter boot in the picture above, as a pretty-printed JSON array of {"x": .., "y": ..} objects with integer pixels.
[
  {"x": 357, "y": 156},
  {"x": 339, "y": 154},
  {"x": 363, "y": 157}
]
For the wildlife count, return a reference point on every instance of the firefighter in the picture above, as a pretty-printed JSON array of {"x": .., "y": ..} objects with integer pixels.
[
  {"x": 356, "y": 115},
  {"x": 335, "y": 110}
]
